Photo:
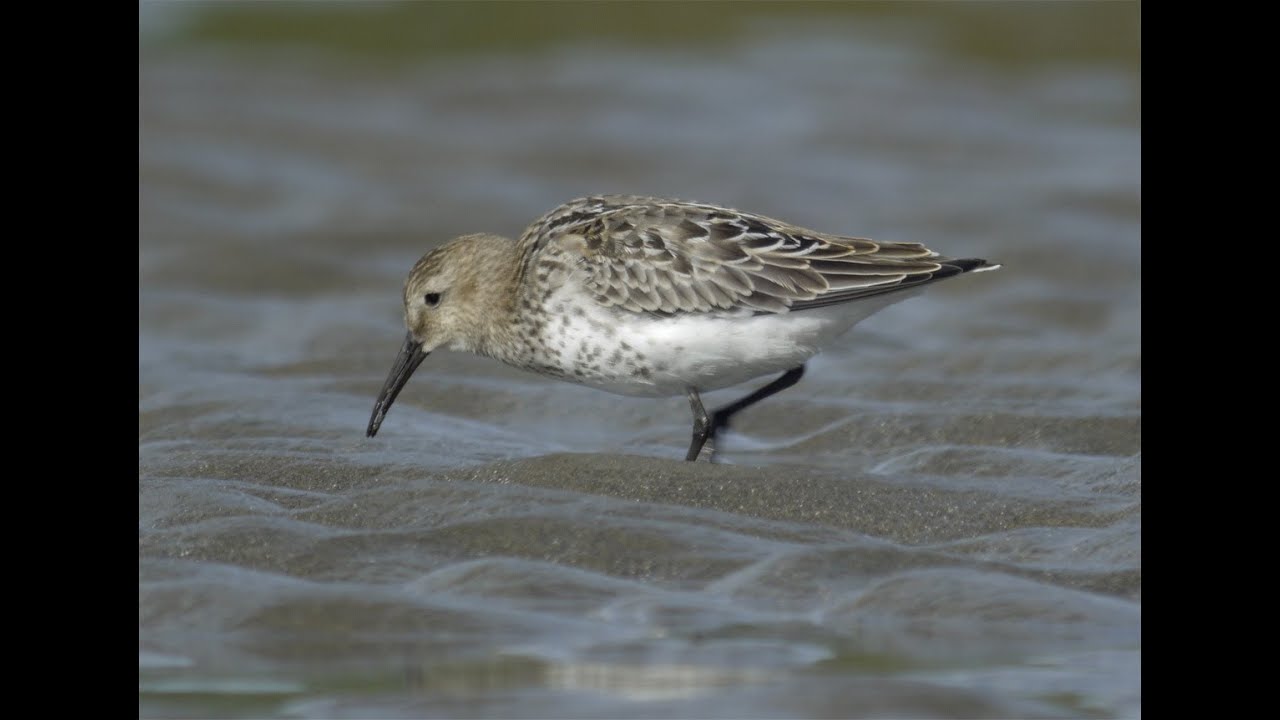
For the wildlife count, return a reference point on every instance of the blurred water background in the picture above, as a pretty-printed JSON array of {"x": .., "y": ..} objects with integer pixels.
[{"x": 943, "y": 519}]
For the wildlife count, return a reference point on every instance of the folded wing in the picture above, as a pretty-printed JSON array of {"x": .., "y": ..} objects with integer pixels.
[{"x": 666, "y": 256}]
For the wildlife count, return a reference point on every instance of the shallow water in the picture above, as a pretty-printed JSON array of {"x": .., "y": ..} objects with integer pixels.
[{"x": 943, "y": 519}]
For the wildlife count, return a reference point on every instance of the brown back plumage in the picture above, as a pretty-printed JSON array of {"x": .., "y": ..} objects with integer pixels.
[{"x": 656, "y": 255}]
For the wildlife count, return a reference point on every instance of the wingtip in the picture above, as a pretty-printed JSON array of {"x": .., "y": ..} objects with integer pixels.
[{"x": 976, "y": 265}]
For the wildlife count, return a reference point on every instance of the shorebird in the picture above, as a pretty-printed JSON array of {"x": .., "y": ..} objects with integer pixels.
[{"x": 652, "y": 297}]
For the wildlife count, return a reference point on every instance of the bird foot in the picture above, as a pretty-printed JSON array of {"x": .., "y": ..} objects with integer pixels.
[{"x": 708, "y": 452}]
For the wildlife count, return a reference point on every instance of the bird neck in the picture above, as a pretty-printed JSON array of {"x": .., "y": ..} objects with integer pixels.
[{"x": 494, "y": 328}]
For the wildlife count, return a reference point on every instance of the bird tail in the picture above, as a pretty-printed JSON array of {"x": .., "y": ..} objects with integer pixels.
[
  {"x": 955, "y": 266},
  {"x": 973, "y": 264}
]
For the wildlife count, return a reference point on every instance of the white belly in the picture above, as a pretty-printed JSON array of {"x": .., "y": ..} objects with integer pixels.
[{"x": 642, "y": 355}]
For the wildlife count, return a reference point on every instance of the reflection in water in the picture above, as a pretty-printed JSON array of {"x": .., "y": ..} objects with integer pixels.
[{"x": 650, "y": 682}]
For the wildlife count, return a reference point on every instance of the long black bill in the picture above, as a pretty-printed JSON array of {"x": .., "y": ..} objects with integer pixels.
[{"x": 410, "y": 357}]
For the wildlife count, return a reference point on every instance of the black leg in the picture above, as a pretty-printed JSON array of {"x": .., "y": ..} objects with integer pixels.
[
  {"x": 721, "y": 417},
  {"x": 705, "y": 428},
  {"x": 701, "y": 426}
]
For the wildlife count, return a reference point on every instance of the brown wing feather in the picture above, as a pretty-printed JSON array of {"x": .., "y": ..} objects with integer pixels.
[{"x": 655, "y": 255}]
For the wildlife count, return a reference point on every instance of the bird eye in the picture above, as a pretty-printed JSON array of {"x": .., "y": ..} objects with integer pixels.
[{"x": 432, "y": 299}]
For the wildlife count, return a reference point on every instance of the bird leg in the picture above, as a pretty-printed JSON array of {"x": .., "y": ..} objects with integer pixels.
[
  {"x": 705, "y": 428},
  {"x": 701, "y": 426}
]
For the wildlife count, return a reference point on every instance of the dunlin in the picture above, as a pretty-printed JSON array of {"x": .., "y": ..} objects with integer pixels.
[{"x": 651, "y": 297}]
